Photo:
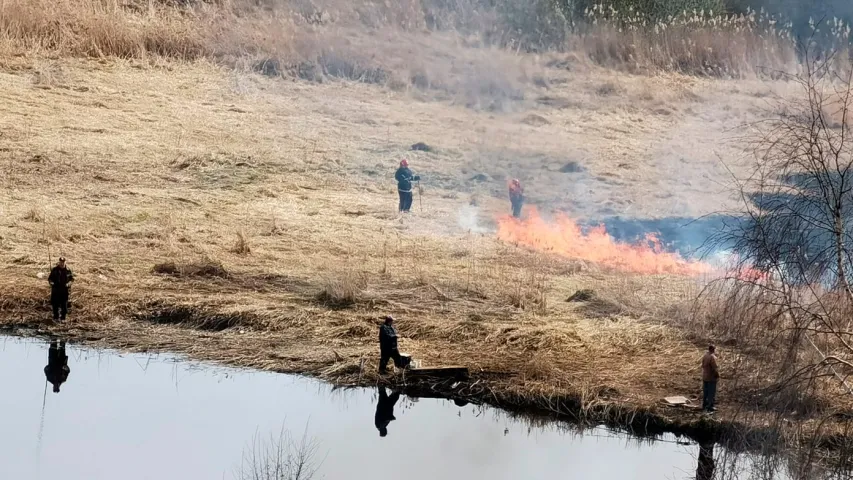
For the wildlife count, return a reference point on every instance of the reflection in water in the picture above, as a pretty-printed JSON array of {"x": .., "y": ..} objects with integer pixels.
[
  {"x": 218, "y": 410},
  {"x": 57, "y": 369},
  {"x": 280, "y": 457},
  {"x": 705, "y": 470},
  {"x": 385, "y": 410}
]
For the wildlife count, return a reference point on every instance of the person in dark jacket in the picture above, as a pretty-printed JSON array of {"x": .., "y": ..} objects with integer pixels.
[
  {"x": 404, "y": 178},
  {"x": 388, "y": 345},
  {"x": 57, "y": 369},
  {"x": 710, "y": 375},
  {"x": 385, "y": 411},
  {"x": 60, "y": 280},
  {"x": 516, "y": 197},
  {"x": 705, "y": 468}
]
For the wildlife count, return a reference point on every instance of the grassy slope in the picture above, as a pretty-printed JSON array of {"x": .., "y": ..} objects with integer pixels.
[{"x": 122, "y": 165}]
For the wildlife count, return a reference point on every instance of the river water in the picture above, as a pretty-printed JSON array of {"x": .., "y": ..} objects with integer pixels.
[{"x": 157, "y": 417}]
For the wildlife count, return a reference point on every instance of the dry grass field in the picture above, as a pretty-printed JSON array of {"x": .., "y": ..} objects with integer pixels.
[{"x": 250, "y": 219}]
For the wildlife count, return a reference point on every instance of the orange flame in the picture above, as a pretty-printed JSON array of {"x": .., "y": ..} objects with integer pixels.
[
  {"x": 564, "y": 236},
  {"x": 752, "y": 275}
]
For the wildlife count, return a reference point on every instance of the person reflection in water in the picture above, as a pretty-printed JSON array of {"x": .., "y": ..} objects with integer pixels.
[
  {"x": 57, "y": 369},
  {"x": 385, "y": 410},
  {"x": 705, "y": 470}
]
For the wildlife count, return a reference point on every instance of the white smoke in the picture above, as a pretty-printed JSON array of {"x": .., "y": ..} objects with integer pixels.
[
  {"x": 723, "y": 259},
  {"x": 468, "y": 219}
]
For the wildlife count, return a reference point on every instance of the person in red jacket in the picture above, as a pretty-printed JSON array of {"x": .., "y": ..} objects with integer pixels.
[{"x": 516, "y": 197}]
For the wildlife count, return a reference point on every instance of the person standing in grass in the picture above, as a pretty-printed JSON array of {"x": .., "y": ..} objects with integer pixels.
[
  {"x": 60, "y": 280},
  {"x": 388, "y": 345},
  {"x": 710, "y": 375},
  {"x": 405, "y": 177},
  {"x": 516, "y": 197}
]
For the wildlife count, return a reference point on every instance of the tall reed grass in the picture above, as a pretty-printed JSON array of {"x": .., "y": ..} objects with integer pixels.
[{"x": 696, "y": 42}]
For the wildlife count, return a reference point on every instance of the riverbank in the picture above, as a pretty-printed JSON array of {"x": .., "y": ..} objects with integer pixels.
[
  {"x": 504, "y": 390},
  {"x": 252, "y": 221}
]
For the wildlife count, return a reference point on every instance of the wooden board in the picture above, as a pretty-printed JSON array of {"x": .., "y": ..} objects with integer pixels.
[{"x": 455, "y": 371}]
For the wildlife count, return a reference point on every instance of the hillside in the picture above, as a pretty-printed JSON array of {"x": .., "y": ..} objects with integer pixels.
[{"x": 247, "y": 214}]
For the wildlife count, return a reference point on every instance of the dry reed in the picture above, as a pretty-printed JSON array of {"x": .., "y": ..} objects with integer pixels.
[{"x": 283, "y": 38}]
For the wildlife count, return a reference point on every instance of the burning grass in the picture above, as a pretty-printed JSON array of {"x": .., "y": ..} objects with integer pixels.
[{"x": 565, "y": 237}]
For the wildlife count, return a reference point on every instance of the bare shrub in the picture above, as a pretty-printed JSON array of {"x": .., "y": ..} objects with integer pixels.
[
  {"x": 203, "y": 268},
  {"x": 539, "y": 367},
  {"x": 280, "y": 457},
  {"x": 34, "y": 215},
  {"x": 527, "y": 290},
  {"x": 342, "y": 291},
  {"x": 47, "y": 75},
  {"x": 488, "y": 88},
  {"x": 532, "y": 25},
  {"x": 350, "y": 67},
  {"x": 789, "y": 301},
  {"x": 607, "y": 89},
  {"x": 241, "y": 245}
]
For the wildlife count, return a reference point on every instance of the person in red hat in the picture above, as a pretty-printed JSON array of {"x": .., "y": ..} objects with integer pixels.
[
  {"x": 516, "y": 197},
  {"x": 404, "y": 178}
]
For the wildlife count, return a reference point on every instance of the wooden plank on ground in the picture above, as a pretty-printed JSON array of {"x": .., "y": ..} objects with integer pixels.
[{"x": 454, "y": 371}]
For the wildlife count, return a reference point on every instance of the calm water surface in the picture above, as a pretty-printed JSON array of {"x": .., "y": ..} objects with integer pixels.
[{"x": 153, "y": 417}]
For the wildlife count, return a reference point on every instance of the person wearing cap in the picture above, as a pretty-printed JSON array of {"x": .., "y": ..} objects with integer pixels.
[
  {"x": 405, "y": 177},
  {"x": 388, "y": 345},
  {"x": 60, "y": 280},
  {"x": 710, "y": 375},
  {"x": 57, "y": 369},
  {"x": 516, "y": 197}
]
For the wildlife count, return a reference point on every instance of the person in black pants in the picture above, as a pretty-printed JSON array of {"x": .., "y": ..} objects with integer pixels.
[
  {"x": 710, "y": 376},
  {"x": 57, "y": 369},
  {"x": 388, "y": 345},
  {"x": 705, "y": 467},
  {"x": 60, "y": 280},
  {"x": 385, "y": 411},
  {"x": 404, "y": 178}
]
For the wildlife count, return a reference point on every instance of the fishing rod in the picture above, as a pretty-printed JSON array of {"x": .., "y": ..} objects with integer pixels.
[{"x": 41, "y": 427}]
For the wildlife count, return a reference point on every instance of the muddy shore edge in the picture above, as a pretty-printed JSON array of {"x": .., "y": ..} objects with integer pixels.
[{"x": 481, "y": 388}]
